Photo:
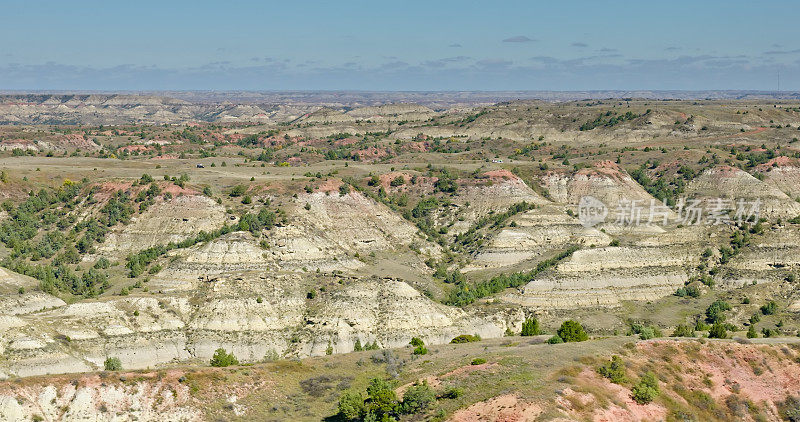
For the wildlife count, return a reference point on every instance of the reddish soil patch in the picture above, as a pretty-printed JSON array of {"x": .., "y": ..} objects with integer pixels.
[
  {"x": 624, "y": 408},
  {"x": 666, "y": 166},
  {"x": 77, "y": 141},
  {"x": 468, "y": 369},
  {"x": 176, "y": 190},
  {"x": 165, "y": 157},
  {"x": 501, "y": 174},
  {"x": 386, "y": 179},
  {"x": 782, "y": 161},
  {"x": 417, "y": 147},
  {"x": 425, "y": 184},
  {"x": 726, "y": 171},
  {"x": 371, "y": 154},
  {"x": 753, "y": 132},
  {"x": 330, "y": 185},
  {"x": 346, "y": 141},
  {"x": 506, "y": 408},
  {"x": 107, "y": 189},
  {"x": 136, "y": 148},
  {"x": 603, "y": 169},
  {"x": 758, "y": 372}
]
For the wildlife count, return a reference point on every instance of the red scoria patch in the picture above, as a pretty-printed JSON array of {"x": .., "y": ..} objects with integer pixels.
[
  {"x": 371, "y": 154},
  {"x": 501, "y": 174},
  {"x": 782, "y": 161},
  {"x": 330, "y": 185}
]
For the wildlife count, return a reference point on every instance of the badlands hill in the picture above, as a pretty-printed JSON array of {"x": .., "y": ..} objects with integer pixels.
[{"x": 313, "y": 241}]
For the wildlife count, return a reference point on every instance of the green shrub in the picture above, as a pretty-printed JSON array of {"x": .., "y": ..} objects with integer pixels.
[
  {"x": 683, "y": 330},
  {"x": 688, "y": 291},
  {"x": 646, "y": 390},
  {"x": 530, "y": 327},
  {"x": 466, "y": 293},
  {"x": 717, "y": 330},
  {"x": 790, "y": 408},
  {"x": 769, "y": 332},
  {"x": 555, "y": 340},
  {"x": 478, "y": 361},
  {"x": 112, "y": 364},
  {"x": 614, "y": 370},
  {"x": 102, "y": 264},
  {"x": 451, "y": 393},
  {"x": 222, "y": 359},
  {"x": 645, "y": 332},
  {"x": 419, "y": 346},
  {"x": 715, "y": 311},
  {"x": 351, "y": 406},
  {"x": 382, "y": 398},
  {"x": 238, "y": 190},
  {"x": 751, "y": 332},
  {"x": 769, "y": 308},
  {"x": 417, "y": 398},
  {"x": 465, "y": 338},
  {"x": 572, "y": 331}
]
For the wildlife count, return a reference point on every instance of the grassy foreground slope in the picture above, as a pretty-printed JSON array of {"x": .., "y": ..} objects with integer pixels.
[{"x": 514, "y": 378}]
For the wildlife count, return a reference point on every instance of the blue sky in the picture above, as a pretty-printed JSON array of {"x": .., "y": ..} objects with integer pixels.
[{"x": 399, "y": 45}]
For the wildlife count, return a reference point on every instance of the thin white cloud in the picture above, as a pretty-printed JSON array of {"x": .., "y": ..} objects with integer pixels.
[
  {"x": 781, "y": 52},
  {"x": 519, "y": 38}
]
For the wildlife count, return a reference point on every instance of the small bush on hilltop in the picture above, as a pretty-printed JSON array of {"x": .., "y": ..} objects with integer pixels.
[{"x": 572, "y": 331}]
